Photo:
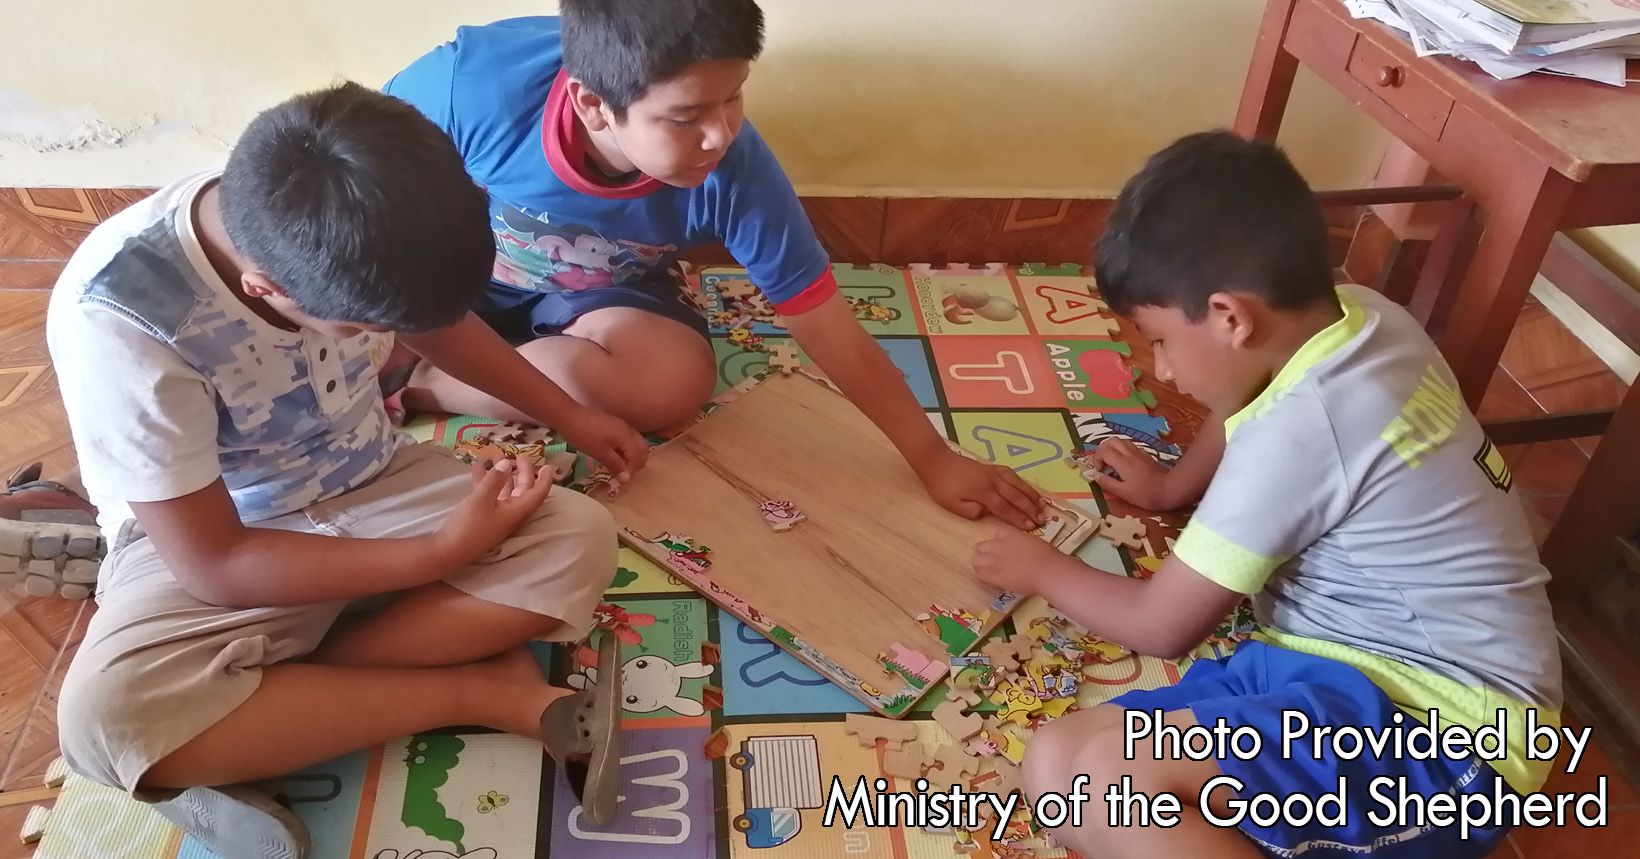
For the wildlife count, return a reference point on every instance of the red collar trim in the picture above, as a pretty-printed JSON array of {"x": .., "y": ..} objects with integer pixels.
[{"x": 567, "y": 155}]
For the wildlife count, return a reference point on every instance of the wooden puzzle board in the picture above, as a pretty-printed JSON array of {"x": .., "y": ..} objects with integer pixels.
[{"x": 866, "y": 573}]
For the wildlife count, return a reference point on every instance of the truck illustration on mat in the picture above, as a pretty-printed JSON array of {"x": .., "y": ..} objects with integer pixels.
[{"x": 782, "y": 777}]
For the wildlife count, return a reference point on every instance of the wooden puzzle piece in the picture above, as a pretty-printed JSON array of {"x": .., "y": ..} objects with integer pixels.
[
  {"x": 956, "y": 628},
  {"x": 1006, "y": 778},
  {"x": 1051, "y": 530},
  {"x": 784, "y": 358},
  {"x": 869, "y": 729},
  {"x": 911, "y": 664},
  {"x": 997, "y": 739},
  {"x": 1052, "y": 709},
  {"x": 962, "y": 726},
  {"x": 562, "y": 464},
  {"x": 781, "y": 515},
  {"x": 907, "y": 764},
  {"x": 1001, "y": 655},
  {"x": 1049, "y": 677},
  {"x": 1126, "y": 531},
  {"x": 736, "y": 290},
  {"x": 967, "y": 696},
  {"x": 1017, "y": 702},
  {"x": 956, "y": 763}
]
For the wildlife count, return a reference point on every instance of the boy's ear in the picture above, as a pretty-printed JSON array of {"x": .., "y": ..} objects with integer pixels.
[
  {"x": 589, "y": 106},
  {"x": 257, "y": 285},
  {"x": 1232, "y": 315}
]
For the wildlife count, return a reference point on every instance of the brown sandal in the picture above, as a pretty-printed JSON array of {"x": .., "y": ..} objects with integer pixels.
[{"x": 583, "y": 734}]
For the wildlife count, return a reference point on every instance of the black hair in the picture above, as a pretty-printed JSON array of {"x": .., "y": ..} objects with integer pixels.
[
  {"x": 1214, "y": 212},
  {"x": 620, "y": 48},
  {"x": 360, "y": 209}
]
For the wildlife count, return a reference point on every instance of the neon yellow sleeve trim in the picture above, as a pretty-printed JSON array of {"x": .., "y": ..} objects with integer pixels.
[{"x": 1223, "y": 562}]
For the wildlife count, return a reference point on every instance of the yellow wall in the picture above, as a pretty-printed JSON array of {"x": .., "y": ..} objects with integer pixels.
[
  {"x": 917, "y": 97},
  {"x": 1617, "y": 247}
]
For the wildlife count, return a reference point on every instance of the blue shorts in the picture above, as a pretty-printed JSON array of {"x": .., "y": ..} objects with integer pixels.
[
  {"x": 1253, "y": 686},
  {"x": 520, "y": 315}
]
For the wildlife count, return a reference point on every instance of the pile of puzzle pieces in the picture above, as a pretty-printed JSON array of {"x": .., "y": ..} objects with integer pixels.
[{"x": 1032, "y": 678}]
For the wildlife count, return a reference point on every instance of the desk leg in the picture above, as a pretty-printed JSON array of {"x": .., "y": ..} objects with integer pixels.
[
  {"x": 1604, "y": 506},
  {"x": 1269, "y": 75},
  {"x": 1518, "y": 231}
]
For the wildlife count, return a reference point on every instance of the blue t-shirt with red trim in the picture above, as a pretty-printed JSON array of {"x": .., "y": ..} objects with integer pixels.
[{"x": 498, "y": 91}]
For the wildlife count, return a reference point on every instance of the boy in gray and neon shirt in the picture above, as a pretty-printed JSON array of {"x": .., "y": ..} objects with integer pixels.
[{"x": 1346, "y": 488}]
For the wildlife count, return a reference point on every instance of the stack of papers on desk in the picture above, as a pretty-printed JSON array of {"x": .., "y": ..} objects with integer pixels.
[{"x": 1590, "y": 39}]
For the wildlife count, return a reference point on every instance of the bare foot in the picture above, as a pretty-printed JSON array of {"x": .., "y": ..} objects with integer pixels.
[{"x": 515, "y": 683}]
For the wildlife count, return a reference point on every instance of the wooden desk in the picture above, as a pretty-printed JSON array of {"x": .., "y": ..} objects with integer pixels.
[{"x": 1536, "y": 155}]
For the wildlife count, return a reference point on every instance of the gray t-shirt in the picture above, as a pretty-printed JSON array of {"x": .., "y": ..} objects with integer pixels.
[{"x": 1361, "y": 505}]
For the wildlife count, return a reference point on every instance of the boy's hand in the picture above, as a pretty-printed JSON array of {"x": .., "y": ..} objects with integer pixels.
[
  {"x": 970, "y": 489},
  {"x": 1139, "y": 480},
  {"x": 1014, "y": 561},
  {"x": 606, "y": 439},
  {"x": 502, "y": 498}
]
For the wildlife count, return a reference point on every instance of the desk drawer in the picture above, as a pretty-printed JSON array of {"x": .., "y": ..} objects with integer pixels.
[
  {"x": 1401, "y": 87},
  {"x": 1358, "y": 65}
]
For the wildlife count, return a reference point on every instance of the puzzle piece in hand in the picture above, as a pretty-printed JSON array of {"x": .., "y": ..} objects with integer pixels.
[
  {"x": 1052, "y": 529},
  {"x": 869, "y": 729},
  {"x": 562, "y": 464},
  {"x": 1126, "y": 531}
]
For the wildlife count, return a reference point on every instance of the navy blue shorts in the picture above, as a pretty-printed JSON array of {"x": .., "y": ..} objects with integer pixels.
[
  {"x": 520, "y": 316},
  {"x": 1253, "y": 686}
]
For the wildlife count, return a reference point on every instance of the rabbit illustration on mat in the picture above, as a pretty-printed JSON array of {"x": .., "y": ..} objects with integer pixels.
[{"x": 651, "y": 683}]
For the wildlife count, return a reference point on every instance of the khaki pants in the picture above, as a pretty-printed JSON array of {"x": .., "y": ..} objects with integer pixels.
[{"x": 158, "y": 667}]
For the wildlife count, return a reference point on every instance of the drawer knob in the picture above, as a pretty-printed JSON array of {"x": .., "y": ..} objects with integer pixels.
[{"x": 1391, "y": 76}]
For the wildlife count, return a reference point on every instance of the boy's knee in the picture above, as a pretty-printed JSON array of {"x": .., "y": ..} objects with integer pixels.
[
  {"x": 1086, "y": 743},
  {"x": 589, "y": 529},
  {"x": 89, "y": 701}
]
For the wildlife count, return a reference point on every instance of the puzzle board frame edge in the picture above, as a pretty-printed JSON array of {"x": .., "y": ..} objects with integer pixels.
[{"x": 1000, "y": 610}]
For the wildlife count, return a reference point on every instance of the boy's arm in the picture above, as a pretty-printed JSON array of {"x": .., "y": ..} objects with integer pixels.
[
  {"x": 219, "y": 560},
  {"x": 1140, "y": 480},
  {"x": 1280, "y": 486},
  {"x": 842, "y": 349},
  {"x": 1166, "y": 615},
  {"x": 473, "y": 353}
]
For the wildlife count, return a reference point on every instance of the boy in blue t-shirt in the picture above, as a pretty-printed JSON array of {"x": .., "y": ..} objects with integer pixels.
[
  {"x": 610, "y": 140},
  {"x": 1350, "y": 494}
]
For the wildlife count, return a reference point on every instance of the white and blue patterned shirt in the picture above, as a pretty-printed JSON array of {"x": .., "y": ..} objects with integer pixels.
[{"x": 170, "y": 381}]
